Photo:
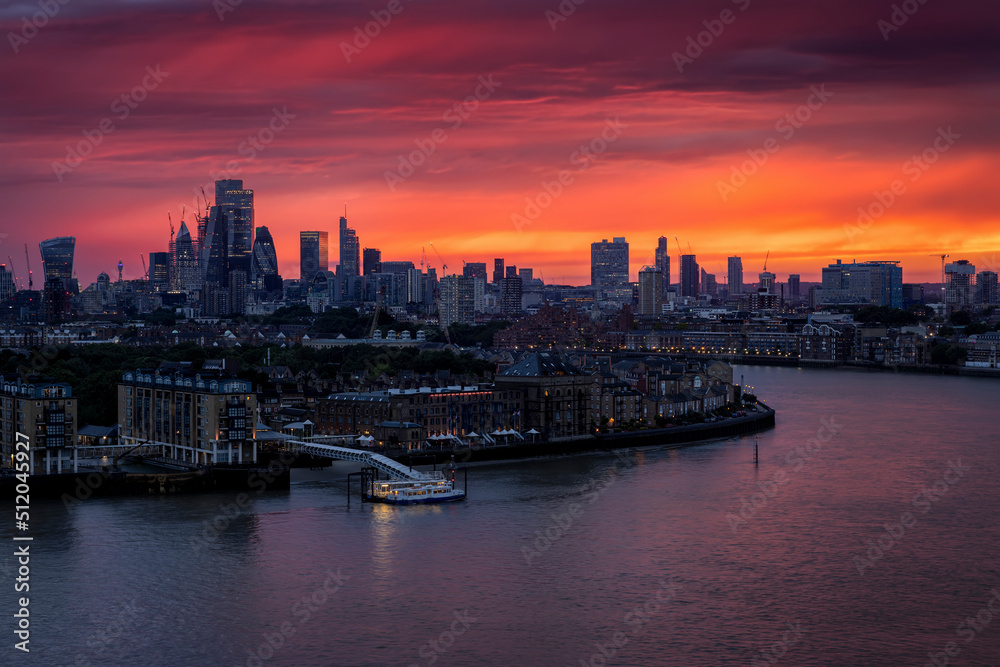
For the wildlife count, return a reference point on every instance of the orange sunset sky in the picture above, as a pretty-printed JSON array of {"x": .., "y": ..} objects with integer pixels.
[{"x": 352, "y": 107}]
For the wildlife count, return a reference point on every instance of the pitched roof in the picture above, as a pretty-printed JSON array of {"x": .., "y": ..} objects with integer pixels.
[{"x": 541, "y": 364}]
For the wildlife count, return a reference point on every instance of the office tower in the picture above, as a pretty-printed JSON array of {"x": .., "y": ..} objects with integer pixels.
[
  {"x": 650, "y": 291},
  {"x": 793, "y": 286},
  {"x": 159, "y": 270},
  {"x": 709, "y": 285},
  {"x": 415, "y": 292},
  {"x": 766, "y": 284},
  {"x": 458, "y": 299},
  {"x": 264, "y": 267},
  {"x": 511, "y": 272},
  {"x": 690, "y": 276},
  {"x": 510, "y": 295},
  {"x": 878, "y": 283},
  {"x": 986, "y": 288},
  {"x": 350, "y": 261},
  {"x": 216, "y": 252},
  {"x": 396, "y": 267},
  {"x": 313, "y": 254},
  {"x": 372, "y": 258},
  {"x": 186, "y": 275},
  {"x": 7, "y": 288},
  {"x": 662, "y": 259},
  {"x": 913, "y": 295},
  {"x": 527, "y": 275},
  {"x": 475, "y": 270},
  {"x": 239, "y": 287},
  {"x": 735, "y": 276},
  {"x": 960, "y": 284},
  {"x": 609, "y": 270},
  {"x": 236, "y": 204},
  {"x": 57, "y": 259},
  {"x": 498, "y": 274}
]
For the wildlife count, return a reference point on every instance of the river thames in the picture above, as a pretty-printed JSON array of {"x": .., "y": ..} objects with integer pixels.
[{"x": 867, "y": 535}]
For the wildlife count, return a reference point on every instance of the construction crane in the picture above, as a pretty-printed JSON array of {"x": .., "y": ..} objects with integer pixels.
[
  {"x": 31, "y": 283},
  {"x": 145, "y": 271},
  {"x": 205, "y": 197},
  {"x": 943, "y": 257},
  {"x": 679, "y": 251},
  {"x": 444, "y": 267},
  {"x": 765, "y": 259},
  {"x": 13, "y": 274},
  {"x": 423, "y": 258},
  {"x": 690, "y": 252}
]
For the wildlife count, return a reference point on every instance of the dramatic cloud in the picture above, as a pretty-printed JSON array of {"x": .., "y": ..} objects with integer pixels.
[{"x": 742, "y": 127}]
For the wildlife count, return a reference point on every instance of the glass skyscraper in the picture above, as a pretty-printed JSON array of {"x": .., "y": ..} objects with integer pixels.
[
  {"x": 57, "y": 258},
  {"x": 313, "y": 254},
  {"x": 609, "y": 270}
]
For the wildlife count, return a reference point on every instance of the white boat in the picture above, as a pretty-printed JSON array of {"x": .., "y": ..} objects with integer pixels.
[{"x": 436, "y": 489}]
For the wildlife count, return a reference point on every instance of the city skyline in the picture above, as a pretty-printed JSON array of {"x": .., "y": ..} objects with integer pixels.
[{"x": 689, "y": 155}]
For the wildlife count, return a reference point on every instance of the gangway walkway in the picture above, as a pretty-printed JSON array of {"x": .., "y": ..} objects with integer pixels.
[{"x": 383, "y": 463}]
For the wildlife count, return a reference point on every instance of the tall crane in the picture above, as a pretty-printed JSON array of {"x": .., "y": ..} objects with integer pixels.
[
  {"x": 444, "y": 267},
  {"x": 145, "y": 271},
  {"x": 31, "y": 284},
  {"x": 765, "y": 259},
  {"x": 943, "y": 257},
  {"x": 679, "y": 251}
]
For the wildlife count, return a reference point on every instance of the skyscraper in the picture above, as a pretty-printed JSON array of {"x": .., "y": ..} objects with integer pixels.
[
  {"x": 960, "y": 284},
  {"x": 458, "y": 298},
  {"x": 372, "y": 258},
  {"x": 313, "y": 254},
  {"x": 735, "y": 276},
  {"x": 766, "y": 284},
  {"x": 510, "y": 295},
  {"x": 350, "y": 261},
  {"x": 709, "y": 285},
  {"x": 986, "y": 288},
  {"x": 159, "y": 270},
  {"x": 527, "y": 275},
  {"x": 793, "y": 286},
  {"x": 264, "y": 266},
  {"x": 662, "y": 258},
  {"x": 609, "y": 270},
  {"x": 7, "y": 288},
  {"x": 498, "y": 273},
  {"x": 57, "y": 259},
  {"x": 237, "y": 205},
  {"x": 650, "y": 291},
  {"x": 690, "y": 276},
  {"x": 186, "y": 275}
]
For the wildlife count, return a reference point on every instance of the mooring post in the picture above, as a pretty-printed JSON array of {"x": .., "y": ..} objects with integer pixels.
[{"x": 756, "y": 458}]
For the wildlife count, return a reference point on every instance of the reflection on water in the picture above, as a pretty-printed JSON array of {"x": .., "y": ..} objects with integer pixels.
[{"x": 816, "y": 501}]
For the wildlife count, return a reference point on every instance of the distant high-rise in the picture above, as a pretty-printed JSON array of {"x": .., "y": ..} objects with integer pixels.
[
  {"x": 350, "y": 260},
  {"x": 690, "y": 276},
  {"x": 735, "y": 276},
  {"x": 313, "y": 254},
  {"x": 527, "y": 275},
  {"x": 877, "y": 283},
  {"x": 766, "y": 284},
  {"x": 186, "y": 274},
  {"x": 475, "y": 270},
  {"x": 662, "y": 257},
  {"x": 264, "y": 267},
  {"x": 458, "y": 298},
  {"x": 159, "y": 270},
  {"x": 986, "y": 288},
  {"x": 511, "y": 272},
  {"x": 650, "y": 291},
  {"x": 57, "y": 259},
  {"x": 216, "y": 252},
  {"x": 794, "y": 289},
  {"x": 609, "y": 270},
  {"x": 236, "y": 204},
  {"x": 7, "y": 288},
  {"x": 510, "y": 295},
  {"x": 709, "y": 285},
  {"x": 371, "y": 259},
  {"x": 498, "y": 273}
]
